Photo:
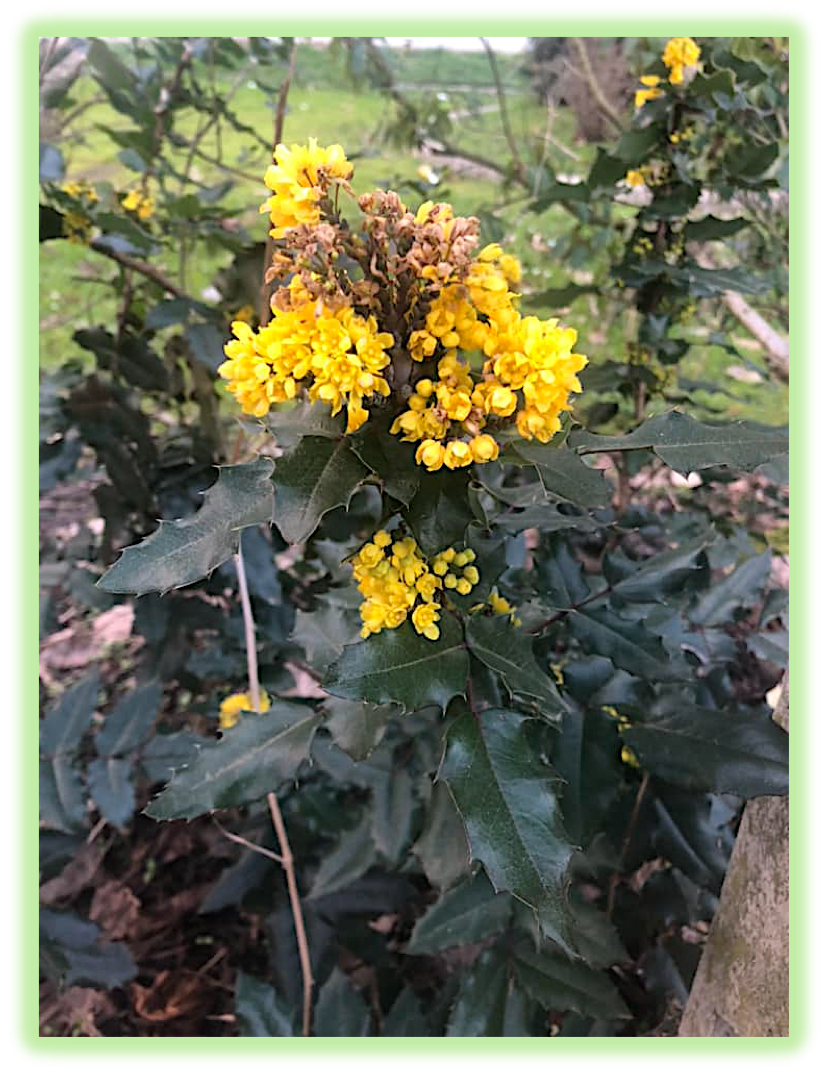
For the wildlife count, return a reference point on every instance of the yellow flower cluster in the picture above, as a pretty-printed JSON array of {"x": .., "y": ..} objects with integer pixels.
[
  {"x": 299, "y": 178},
  {"x": 232, "y": 706},
  {"x": 523, "y": 354},
  {"x": 77, "y": 227},
  {"x": 650, "y": 90},
  {"x": 395, "y": 579},
  {"x": 141, "y": 204},
  {"x": 680, "y": 53},
  {"x": 338, "y": 352},
  {"x": 80, "y": 191}
]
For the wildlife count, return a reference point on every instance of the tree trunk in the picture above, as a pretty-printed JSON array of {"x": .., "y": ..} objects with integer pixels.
[{"x": 741, "y": 987}]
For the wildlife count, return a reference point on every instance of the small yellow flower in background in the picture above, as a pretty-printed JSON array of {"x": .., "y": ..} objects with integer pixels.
[
  {"x": 635, "y": 178},
  {"x": 629, "y": 757},
  {"x": 498, "y": 605},
  {"x": 650, "y": 92},
  {"x": 141, "y": 204},
  {"x": 77, "y": 228},
  {"x": 232, "y": 706},
  {"x": 80, "y": 191},
  {"x": 426, "y": 173},
  {"x": 681, "y": 54}
]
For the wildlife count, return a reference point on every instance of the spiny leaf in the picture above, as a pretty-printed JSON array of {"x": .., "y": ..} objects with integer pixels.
[
  {"x": 111, "y": 789},
  {"x": 506, "y": 650},
  {"x": 508, "y": 801},
  {"x": 183, "y": 551},
  {"x": 357, "y": 727},
  {"x": 480, "y": 1006},
  {"x": 628, "y": 644},
  {"x": 464, "y": 915},
  {"x": 686, "y": 444},
  {"x": 442, "y": 847},
  {"x": 62, "y": 801},
  {"x": 714, "y": 751},
  {"x": 558, "y": 983},
  {"x": 324, "y": 632},
  {"x": 249, "y": 761},
  {"x": 130, "y": 720},
  {"x": 259, "y": 1009},
  {"x": 341, "y": 1011},
  {"x": 318, "y": 475},
  {"x": 564, "y": 474},
  {"x": 401, "y": 666}
]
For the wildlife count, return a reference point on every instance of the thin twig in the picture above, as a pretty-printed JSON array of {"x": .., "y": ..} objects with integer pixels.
[
  {"x": 594, "y": 85},
  {"x": 264, "y": 310},
  {"x": 142, "y": 267},
  {"x": 247, "y": 844},
  {"x": 499, "y": 90},
  {"x": 287, "y": 859},
  {"x": 633, "y": 819}
]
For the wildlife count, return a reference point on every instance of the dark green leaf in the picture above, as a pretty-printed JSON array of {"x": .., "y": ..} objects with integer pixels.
[
  {"x": 442, "y": 847},
  {"x": 348, "y": 861},
  {"x": 183, "y": 551},
  {"x": 628, "y": 644},
  {"x": 586, "y": 755},
  {"x": 206, "y": 343},
  {"x": 130, "y": 721},
  {"x": 324, "y": 632},
  {"x": 405, "y": 1019},
  {"x": 249, "y": 761},
  {"x": 505, "y": 649},
  {"x": 660, "y": 575},
  {"x": 317, "y": 476},
  {"x": 62, "y": 729},
  {"x": 390, "y": 459},
  {"x": 392, "y": 811},
  {"x": 564, "y": 474},
  {"x": 742, "y": 588},
  {"x": 694, "y": 832},
  {"x": 439, "y": 513},
  {"x": 401, "y": 666},
  {"x": 714, "y": 751},
  {"x": 52, "y": 168},
  {"x": 289, "y": 424},
  {"x": 710, "y": 228},
  {"x": 357, "y": 727},
  {"x": 88, "y": 959},
  {"x": 607, "y": 170},
  {"x": 686, "y": 444},
  {"x": 167, "y": 752},
  {"x": 558, "y": 984},
  {"x": 259, "y": 1009},
  {"x": 507, "y": 798},
  {"x": 112, "y": 790},
  {"x": 465, "y": 915},
  {"x": 62, "y": 801},
  {"x": 340, "y": 1010},
  {"x": 480, "y": 1008}
]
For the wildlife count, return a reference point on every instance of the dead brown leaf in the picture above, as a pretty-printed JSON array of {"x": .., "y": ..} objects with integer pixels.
[
  {"x": 75, "y": 876},
  {"x": 115, "y": 908},
  {"x": 172, "y": 994}
]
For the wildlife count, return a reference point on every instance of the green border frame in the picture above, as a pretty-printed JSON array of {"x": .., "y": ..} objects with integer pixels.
[{"x": 21, "y": 561}]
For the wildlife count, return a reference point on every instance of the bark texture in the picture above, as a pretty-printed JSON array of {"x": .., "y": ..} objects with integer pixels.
[{"x": 741, "y": 987}]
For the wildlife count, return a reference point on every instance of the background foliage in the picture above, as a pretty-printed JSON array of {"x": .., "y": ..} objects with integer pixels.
[{"x": 623, "y": 723}]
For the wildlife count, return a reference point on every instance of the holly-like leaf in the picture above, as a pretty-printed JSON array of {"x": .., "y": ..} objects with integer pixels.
[
  {"x": 318, "y": 475},
  {"x": 348, "y": 861},
  {"x": 289, "y": 424},
  {"x": 341, "y": 1011},
  {"x": 392, "y": 461},
  {"x": 112, "y": 790},
  {"x": 401, "y": 666},
  {"x": 506, "y": 650},
  {"x": 442, "y": 847},
  {"x": 324, "y": 632},
  {"x": 490, "y": 1002},
  {"x": 467, "y": 914},
  {"x": 741, "y": 588},
  {"x": 357, "y": 727},
  {"x": 183, "y": 551},
  {"x": 130, "y": 721},
  {"x": 559, "y": 984},
  {"x": 628, "y": 644},
  {"x": 564, "y": 474},
  {"x": 439, "y": 513},
  {"x": 586, "y": 754},
  {"x": 393, "y": 806},
  {"x": 249, "y": 761},
  {"x": 62, "y": 801},
  {"x": 657, "y": 576},
  {"x": 259, "y": 1009},
  {"x": 508, "y": 800},
  {"x": 686, "y": 444},
  {"x": 714, "y": 751},
  {"x": 63, "y": 727}
]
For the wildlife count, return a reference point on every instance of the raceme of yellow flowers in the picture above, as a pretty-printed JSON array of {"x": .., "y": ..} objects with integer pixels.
[
  {"x": 419, "y": 289},
  {"x": 681, "y": 55},
  {"x": 397, "y": 582}
]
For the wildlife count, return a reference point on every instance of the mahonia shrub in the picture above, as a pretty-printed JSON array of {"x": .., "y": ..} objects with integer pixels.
[{"x": 511, "y": 715}]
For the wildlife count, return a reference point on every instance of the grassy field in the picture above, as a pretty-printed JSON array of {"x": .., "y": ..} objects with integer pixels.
[{"x": 325, "y": 103}]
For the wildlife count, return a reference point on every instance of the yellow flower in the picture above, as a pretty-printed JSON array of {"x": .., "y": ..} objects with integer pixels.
[
  {"x": 680, "y": 54},
  {"x": 424, "y": 618},
  {"x": 232, "y": 706},
  {"x": 484, "y": 448},
  {"x": 139, "y": 203},
  {"x": 457, "y": 454},
  {"x": 299, "y": 178},
  {"x": 634, "y": 178},
  {"x": 431, "y": 454},
  {"x": 650, "y": 81}
]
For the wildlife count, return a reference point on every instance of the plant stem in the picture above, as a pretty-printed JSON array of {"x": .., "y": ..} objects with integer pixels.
[
  {"x": 499, "y": 90},
  {"x": 287, "y": 859}
]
